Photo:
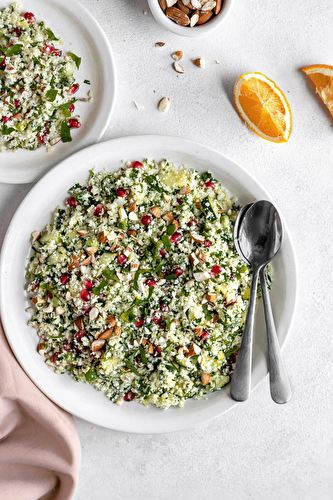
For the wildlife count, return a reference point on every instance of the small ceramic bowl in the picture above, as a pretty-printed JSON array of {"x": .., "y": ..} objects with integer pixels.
[{"x": 201, "y": 30}]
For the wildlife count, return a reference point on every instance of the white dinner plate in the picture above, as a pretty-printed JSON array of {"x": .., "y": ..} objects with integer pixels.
[
  {"x": 35, "y": 212},
  {"x": 82, "y": 35}
]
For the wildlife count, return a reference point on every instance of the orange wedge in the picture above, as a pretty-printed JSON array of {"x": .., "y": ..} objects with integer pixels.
[
  {"x": 263, "y": 107},
  {"x": 322, "y": 77}
]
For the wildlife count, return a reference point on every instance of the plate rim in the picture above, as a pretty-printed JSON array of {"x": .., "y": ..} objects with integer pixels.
[
  {"x": 45, "y": 180},
  {"x": 110, "y": 81}
]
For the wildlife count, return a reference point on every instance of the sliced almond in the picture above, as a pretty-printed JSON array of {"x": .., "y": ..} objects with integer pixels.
[
  {"x": 151, "y": 349},
  {"x": 211, "y": 297},
  {"x": 197, "y": 331},
  {"x": 170, "y": 3},
  {"x": 202, "y": 256},
  {"x": 128, "y": 251},
  {"x": 196, "y": 4},
  {"x": 91, "y": 250},
  {"x": 193, "y": 350},
  {"x": 218, "y": 6},
  {"x": 102, "y": 238},
  {"x": 111, "y": 320},
  {"x": 178, "y": 16},
  {"x": 86, "y": 261},
  {"x": 202, "y": 276},
  {"x": 200, "y": 62},
  {"x": 205, "y": 378},
  {"x": 167, "y": 198},
  {"x": 194, "y": 260},
  {"x": 134, "y": 266},
  {"x": 79, "y": 323},
  {"x": 38, "y": 300},
  {"x": 82, "y": 232},
  {"x": 117, "y": 330},
  {"x": 60, "y": 311},
  {"x": 35, "y": 236},
  {"x": 176, "y": 224},
  {"x": 194, "y": 18},
  {"x": 106, "y": 334},
  {"x": 132, "y": 207},
  {"x": 144, "y": 342},
  {"x": 168, "y": 217},
  {"x": 164, "y": 104},
  {"x": 97, "y": 345},
  {"x": 177, "y": 55},
  {"x": 48, "y": 309},
  {"x": 210, "y": 5},
  {"x": 178, "y": 68},
  {"x": 163, "y": 4},
  {"x": 160, "y": 44},
  {"x": 204, "y": 17},
  {"x": 30, "y": 310},
  {"x": 185, "y": 190},
  {"x": 156, "y": 212},
  {"x": 93, "y": 313},
  {"x": 131, "y": 232},
  {"x": 41, "y": 349},
  {"x": 197, "y": 238},
  {"x": 122, "y": 213},
  {"x": 133, "y": 217}
]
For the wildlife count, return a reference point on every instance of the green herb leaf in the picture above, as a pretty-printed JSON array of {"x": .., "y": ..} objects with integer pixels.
[
  {"x": 13, "y": 50},
  {"x": 137, "y": 274},
  {"x": 160, "y": 266},
  {"x": 87, "y": 82},
  {"x": 51, "y": 35},
  {"x": 67, "y": 105},
  {"x": 128, "y": 316},
  {"x": 111, "y": 275},
  {"x": 91, "y": 375},
  {"x": 207, "y": 313},
  {"x": 143, "y": 355},
  {"x": 130, "y": 365},
  {"x": 51, "y": 95},
  {"x": 97, "y": 289},
  {"x": 166, "y": 242},
  {"x": 7, "y": 130},
  {"x": 231, "y": 351},
  {"x": 76, "y": 59},
  {"x": 150, "y": 293},
  {"x": 171, "y": 229},
  {"x": 170, "y": 276},
  {"x": 65, "y": 132}
]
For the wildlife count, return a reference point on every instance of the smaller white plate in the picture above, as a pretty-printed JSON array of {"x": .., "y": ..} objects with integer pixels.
[{"x": 82, "y": 35}]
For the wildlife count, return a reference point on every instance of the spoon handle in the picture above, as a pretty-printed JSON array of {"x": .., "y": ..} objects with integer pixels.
[
  {"x": 241, "y": 380},
  {"x": 278, "y": 379}
]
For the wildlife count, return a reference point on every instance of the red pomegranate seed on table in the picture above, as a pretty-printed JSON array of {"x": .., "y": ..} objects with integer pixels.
[
  {"x": 29, "y": 17},
  {"x": 74, "y": 123},
  {"x": 217, "y": 269},
  {"x": 121, "y": 258},
  {"x": 139, "y": 323},
  {"x": 85, "y": 295},
  {"x": 137, "y": 164},
  {"x": 207, "y": 243},
  {"x": 146, "y": 220},
  {"x": 99, "y": 210},
  {"x": 121, "y": 192},
  {"x": 129, "y": 396},
  {"x": 210, "y": 184},
  {"x": 64, "y": 278},
  {"x": 71, "y": 201}
]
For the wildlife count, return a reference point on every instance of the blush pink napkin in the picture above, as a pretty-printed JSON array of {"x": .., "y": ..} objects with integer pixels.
[{"x": 39, "y": 445}]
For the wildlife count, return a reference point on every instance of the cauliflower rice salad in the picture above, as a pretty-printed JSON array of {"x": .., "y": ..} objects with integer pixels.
[
  {"x": 136, "y": 286},
  {"x": 36, "y": 84}
]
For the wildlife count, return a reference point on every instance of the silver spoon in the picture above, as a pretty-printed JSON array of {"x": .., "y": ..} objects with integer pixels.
[
  {"x": 258, "y": 236},
  {"x": 279, "y": 384}
]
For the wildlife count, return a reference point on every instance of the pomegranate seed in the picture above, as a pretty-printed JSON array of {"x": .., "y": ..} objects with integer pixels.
[
  {"x": 99, "y": 210},
  {"x": 71, "y": 202},
  {"x": 47, "y": 124},
  {"x": 85, "y": 295},
  {"x": 71, "y": 108},
  {"x": 89, "y": 188},
  {"x": 3, "y": 64},
  {"x": 68, "y": 347},
  {"x": 79, "y": 335},
  {"x": 57, "y": 53},
  {"x": 158, "y": 351},
  {"x": 164, "y": 307},
  {"x": 178, "y": 271},
  {"x": 146, "y": 220},
  {"x": 121, "y": 192},
  {"x": 16, "y": 31},
  {"x": 180, "y": 201},
  {"x": 129, "y": 396},
  {"x": 205, "y": 335},
  {"x": 210, "y": 184},
  {"x": 49, "y": 295},
  {"x": 88, "y": 284},
  {"x": 192, "y": 222},
  {"x": 64, "y": 278},
  {"x": 157, "y": 319},
  {"x": 55, "y": 357},
  {"x": 139, "y": 323},
  {"x": 163, "y": 253},
  {"x": 6, "y": 119},
  {"x": 86, "y": 310},
  {"x": 74, "y": 88},
  {"x": 151, "y": 283},
  {"x": 48, "y": 48},
  {"x": 175, "y": 237},
  {"x": 17, "y": 103},
  {"x": 74, "y": 123},
  {"x": 207, "y": 243},
  {"x": 137, "y": 164},
  {"x": 217, "y": 269},
  {"x": 121, "y": 258},
  {"x": 231, "y": 303},
  {"x": 29, "y": 17}
]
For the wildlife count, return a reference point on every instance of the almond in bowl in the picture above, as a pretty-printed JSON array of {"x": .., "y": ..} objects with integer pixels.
[{"x": 190, "y": 17}]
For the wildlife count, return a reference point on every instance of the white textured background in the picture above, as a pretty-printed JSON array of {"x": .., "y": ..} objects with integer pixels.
[{"x": 259, "y": 450}]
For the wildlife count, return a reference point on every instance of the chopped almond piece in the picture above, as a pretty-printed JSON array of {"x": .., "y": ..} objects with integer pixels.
[
  {"x": 193, "y": 259},
  {"x": 145, "y": 342},
  {"x": 38, "y": 300},
  {"x": 134, "y": 266},
  {"x": 197, "y": 238},
  {"x": 184, "y": 190},
  {"x": 131, "y": 232},
  {"x": 79, "y": 323},
  {"x": 156, "y": 212},
  {"x": 122, "y": 213},
  {"x": 86, "y": 261},
  {"x": 132, "y": 207},
  {"x": 205, "y": 378},
  {"x": 176, "y": 223},
  {"x": 35, "y": 236},
  {"x": 102, "y": 238},
  {"x": 91, "y": 250},
  {"x": 97, "y": 345},
  {"x": 216, "y": 317},
  {"x": 111, "y": 320},
  {"x": 82, "y": 232},
  {"x": 211, "y": 297},
  {"x": 151, "y": 349},
  {"x": 117, "y": 330},
  {"x": 41, "y": 349},
  {"x": 168, "y": 218},
  {"x": 203, "y": 276},
  {"x": 197, "y": 331},
  {"x": 197, "y": 204},
  {"x": 193, "y": 350},
  {"x": 203, "y": 257},
  {"x": 106, "y": 334}
]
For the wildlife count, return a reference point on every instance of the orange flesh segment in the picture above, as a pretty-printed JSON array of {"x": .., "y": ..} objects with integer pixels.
[
  {"x": 324, "y": 85},
  {"x": 263, "y": 107}
]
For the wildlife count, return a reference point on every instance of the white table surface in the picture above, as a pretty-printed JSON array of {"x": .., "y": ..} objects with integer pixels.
[{"x": 258, "y": 450}]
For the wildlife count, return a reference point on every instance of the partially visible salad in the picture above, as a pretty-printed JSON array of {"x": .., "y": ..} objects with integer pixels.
[{"x": 37, "y": 84}]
